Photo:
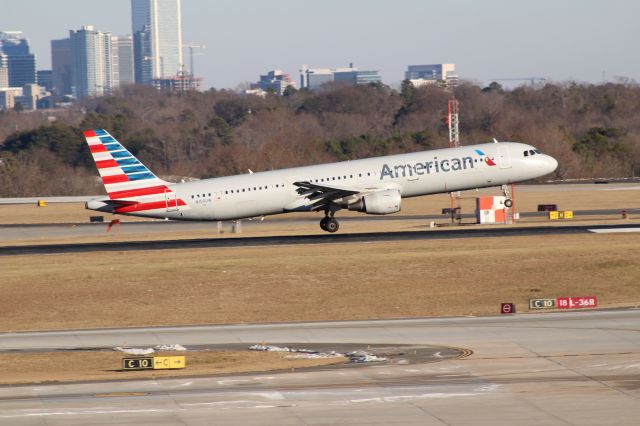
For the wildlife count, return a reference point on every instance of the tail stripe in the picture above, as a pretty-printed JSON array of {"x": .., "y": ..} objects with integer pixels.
[
  {"x": 127, "y": 162},
  {"x": 120, "y": 154},
  {"x": 103, "y": 164},
  {"x": 155, "y": 205},
  {"x": 140, "y": 176},
  {"x": 139, "y": 192},
  {"x": 97, "y": 148},
  {"x": 133, "y": 169},
  {"x": 114, "y": 179},
  {"x": 113, "y": 147}
]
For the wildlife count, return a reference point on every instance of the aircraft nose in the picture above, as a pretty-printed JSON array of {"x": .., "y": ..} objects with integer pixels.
[{"x": 549, "y": 164}]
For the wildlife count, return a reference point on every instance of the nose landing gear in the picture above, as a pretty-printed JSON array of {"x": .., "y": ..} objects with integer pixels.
[{"x": 505, "y": 191}]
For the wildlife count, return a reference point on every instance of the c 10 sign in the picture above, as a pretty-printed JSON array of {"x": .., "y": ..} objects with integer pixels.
[{"x": 576, "y": 302}]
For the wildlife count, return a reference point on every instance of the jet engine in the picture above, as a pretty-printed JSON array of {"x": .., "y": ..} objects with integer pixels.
[{"x": 380, "y": 202}]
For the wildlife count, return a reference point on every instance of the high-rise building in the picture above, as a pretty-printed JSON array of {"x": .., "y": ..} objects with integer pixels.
[
  {"x": 61, "y": 66},
  {"x": 274, "y": 81},
  {"x": 357, "y": 77},
  {"x": 21, "y": 63},
  {"x": 313, "y": 78},
  {"x": 45, "y": 79},
  {"x": 125, "y": 59},
  {"x": 4, "y": 71},
  {"x": 93, "y": 63},
  {"x": 182, "y": 82},
  {"x": 420, "y": 75},
  {"x": 157, "y": 38},
  {"x": 142, "y": 64}
]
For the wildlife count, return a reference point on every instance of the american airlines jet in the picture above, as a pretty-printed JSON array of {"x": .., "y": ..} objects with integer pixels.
[{"x": 373, "y": 185}]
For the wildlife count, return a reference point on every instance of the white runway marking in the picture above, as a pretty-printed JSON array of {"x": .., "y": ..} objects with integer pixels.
[
  {"x": 628, "y": 188},
  {"x": 614, "y": 230}
]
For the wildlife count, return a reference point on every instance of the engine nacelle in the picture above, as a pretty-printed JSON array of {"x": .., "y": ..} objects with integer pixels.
[{"x": 380, "y": 202}]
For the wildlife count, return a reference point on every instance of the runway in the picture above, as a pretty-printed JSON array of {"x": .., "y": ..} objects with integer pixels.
[
  {"x": 221, "y": 242},
  {"x": 569, "y": 368}
]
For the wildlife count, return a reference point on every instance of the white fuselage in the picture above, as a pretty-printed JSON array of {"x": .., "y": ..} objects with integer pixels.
[{"x": 415, "y": 174}]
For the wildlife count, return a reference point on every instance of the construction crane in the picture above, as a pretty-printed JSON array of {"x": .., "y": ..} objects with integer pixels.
[
  {"x": 530, "y": 79},
  {"x": 192, "y": 46}
]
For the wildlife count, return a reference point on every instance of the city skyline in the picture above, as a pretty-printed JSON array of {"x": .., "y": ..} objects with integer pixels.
[{"x": 570, "y": 40}]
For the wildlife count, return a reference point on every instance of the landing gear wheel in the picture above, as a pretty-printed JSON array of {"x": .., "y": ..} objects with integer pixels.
[
  {"x": 323, "y": 223},
  {"x": 331, "y": 225},
  {"x": 508, "y": 202}
]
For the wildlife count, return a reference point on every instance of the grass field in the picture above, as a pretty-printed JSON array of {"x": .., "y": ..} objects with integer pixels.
[
  {"x": 40, "y": 367},
  {"x": 323, "y": 282},
  {"x": 314, "y": 282}
]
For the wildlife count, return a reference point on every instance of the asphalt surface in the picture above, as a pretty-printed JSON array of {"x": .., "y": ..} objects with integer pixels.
[
  {"x": 220, "y": 242},
  {"x": 570, "y": 368}
]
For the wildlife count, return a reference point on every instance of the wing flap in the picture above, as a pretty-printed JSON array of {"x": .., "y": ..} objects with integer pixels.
[{"x": 320, "y": 196}]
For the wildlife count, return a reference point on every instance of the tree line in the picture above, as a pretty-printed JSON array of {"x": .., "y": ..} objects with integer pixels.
[{"x": 593, "y": 130}]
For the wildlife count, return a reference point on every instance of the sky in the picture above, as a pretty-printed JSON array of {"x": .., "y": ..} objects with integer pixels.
[{"x": 581, "y": 40}]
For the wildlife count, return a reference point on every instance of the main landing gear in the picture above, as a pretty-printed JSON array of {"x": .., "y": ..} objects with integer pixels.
[
  {"x": 329, "y": 223},
  {"x": 505, "y": 191}
]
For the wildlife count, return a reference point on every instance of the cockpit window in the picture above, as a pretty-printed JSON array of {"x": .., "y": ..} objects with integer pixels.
[
  {"x": 537, "y": 151},
  {"x": 526, "y": 153}
]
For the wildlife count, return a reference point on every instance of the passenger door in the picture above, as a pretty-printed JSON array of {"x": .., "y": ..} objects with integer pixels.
[
  {"x": 171, "y": 200},
  {"x": 504, "y": 156}
]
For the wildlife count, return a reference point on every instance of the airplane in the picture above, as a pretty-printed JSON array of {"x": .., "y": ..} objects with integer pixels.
[{"x": 372, "y": 185}]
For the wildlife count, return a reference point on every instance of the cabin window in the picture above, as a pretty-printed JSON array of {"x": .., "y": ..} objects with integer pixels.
[
  {"x": 360, "y": 174},
  {"x": 368, "y": 174},
  {"x": 338, "y": 177},
  {"x": 350, "y": 176},
  {"x": 193, "y": 196}
]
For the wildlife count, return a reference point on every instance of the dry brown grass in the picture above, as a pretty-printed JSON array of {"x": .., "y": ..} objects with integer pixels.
[
  {"x": 75, "y": 366},
  {"x": 313, "y": 282}
]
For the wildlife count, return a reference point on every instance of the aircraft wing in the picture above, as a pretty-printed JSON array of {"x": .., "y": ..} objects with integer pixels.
[{"x": 320, "y": 196}]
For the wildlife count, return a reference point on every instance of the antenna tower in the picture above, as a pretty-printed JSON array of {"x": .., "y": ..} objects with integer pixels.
[{"x": 453, "y": 120}]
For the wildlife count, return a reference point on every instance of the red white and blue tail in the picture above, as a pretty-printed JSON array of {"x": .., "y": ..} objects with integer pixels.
[{"x": 131, "y": 186}]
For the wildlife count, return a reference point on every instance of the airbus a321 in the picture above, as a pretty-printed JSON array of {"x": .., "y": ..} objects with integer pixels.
[{"x": 372, "y": 185}]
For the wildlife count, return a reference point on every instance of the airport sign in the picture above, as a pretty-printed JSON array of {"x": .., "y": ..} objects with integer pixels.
[
  {"x": 154, "y": 363},
  {"x": 542, "y": 303},
  {"x": 577, "y": 302},
  {"x": 168, "y": 362},
  {"x": 507, "y": 308},
  {"x": 145, "y": 363}
]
